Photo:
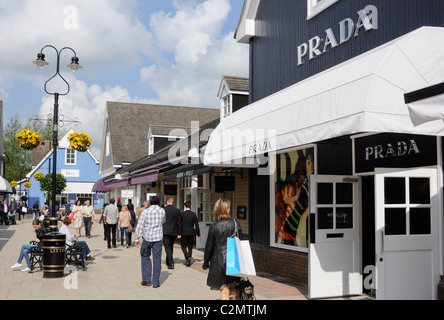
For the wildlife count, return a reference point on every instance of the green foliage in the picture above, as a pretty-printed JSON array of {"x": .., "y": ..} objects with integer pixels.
[{"x": 46, "y": 184}]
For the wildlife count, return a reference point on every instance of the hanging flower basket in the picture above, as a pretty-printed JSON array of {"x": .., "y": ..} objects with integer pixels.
[
  {"x": 79, "y": 141},
  {"x": 27, "y": 184},
  {"x": 38, "y": 176},
  {"x": 13, "y": 184},
  {"x": 28, "y": 139}
]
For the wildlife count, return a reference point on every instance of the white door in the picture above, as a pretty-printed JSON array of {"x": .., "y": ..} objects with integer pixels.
[
  {"x": 406, "y": 234},
  {"x": 334, "y": 257}
]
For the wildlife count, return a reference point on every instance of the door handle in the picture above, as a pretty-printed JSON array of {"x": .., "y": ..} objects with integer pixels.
[{"x": 381, "y": 250}]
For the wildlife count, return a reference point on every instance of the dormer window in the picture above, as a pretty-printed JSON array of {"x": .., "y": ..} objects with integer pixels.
[{"x": 315, "y": 7}]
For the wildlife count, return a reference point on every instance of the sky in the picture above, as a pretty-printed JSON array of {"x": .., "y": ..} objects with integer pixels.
[{"x": 169, "y": 52}]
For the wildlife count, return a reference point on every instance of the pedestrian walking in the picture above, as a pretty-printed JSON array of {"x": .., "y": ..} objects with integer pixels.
[
  {"x": 4, "y": 212},
  {"x": 171, "y": 228},
  {"x": 215, "y": 255},
  {"x": 101, "y": 220},
  {"x": 88, "y": 217},
  {"x": 22, "y": 210},
  {"x": 40, "y": 230},
  {"x": 78, "y": 218},
  {"x": 132, "y": 222},
  {"x": 35, "y": 209},
  {"x": 149, "y": 227},
  {"x": 123, "y": 224},
  {"x": 110, "y": 216},
  {"x": 146, "y": 204},
  {"x": 13, "y": 209},
  {"x": 190, "y": 228}
]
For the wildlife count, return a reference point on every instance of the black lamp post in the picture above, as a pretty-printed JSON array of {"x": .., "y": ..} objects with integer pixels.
[
  {"x": 74, "y": 66},
  {"x": 54, "y": 242}
]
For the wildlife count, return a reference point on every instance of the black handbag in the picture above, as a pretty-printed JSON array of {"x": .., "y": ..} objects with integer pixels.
[{"x": 245, "y": 290}]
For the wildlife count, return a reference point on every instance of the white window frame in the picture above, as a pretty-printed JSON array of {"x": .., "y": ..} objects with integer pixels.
[
  {"x": 107, "y": 144},
  {"x": 315, "y": 7},
  {"x": 68, "y": 150},
  {"x": 227, "y": 105}
]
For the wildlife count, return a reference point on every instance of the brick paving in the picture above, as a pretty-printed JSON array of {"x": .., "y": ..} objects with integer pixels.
[{"x": 115, "y": 275}]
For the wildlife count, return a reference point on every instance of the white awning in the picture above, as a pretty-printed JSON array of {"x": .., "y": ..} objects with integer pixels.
[
  {"x": 364, "y": 94},
  {"x": 426, "y": 104},
  {"x": 79, "y": 187},
  {"x": 5, "y": 187}
]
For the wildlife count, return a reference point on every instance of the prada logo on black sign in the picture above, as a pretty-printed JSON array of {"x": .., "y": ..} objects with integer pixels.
[
  {"x": 401, "y": 149},
  {"x": 390, "y": 150}
]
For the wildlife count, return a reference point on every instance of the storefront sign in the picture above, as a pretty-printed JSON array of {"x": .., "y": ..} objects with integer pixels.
[
  {"x": 394, "y": 151},
  {"x": 70, "y": 173},
  {"x": 367, "y": 20}
]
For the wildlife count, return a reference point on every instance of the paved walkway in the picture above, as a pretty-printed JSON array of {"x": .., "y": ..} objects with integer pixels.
[{"x": 116, "y": 275}]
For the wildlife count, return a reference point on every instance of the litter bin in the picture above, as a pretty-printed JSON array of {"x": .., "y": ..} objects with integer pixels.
[{"x": 53, "y": 252}]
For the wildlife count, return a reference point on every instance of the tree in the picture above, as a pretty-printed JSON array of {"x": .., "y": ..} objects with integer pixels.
[
  {"x": 46, "y": 184},
  {"x": 19, "y": 160}
]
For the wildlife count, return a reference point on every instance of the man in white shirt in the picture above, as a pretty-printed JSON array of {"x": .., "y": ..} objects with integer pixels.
[
  {"x": 88, "y": 217},
  {"x": 149, "y": 226},
  {"x": 110, "y": 216}
]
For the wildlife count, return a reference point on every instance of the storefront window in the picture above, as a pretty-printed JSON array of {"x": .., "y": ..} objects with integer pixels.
[{"x": 292, "y": 197}]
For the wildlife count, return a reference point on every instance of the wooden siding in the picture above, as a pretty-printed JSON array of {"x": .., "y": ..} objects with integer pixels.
[
  {"x": 241, "y": 198},
  {"x": 282, "y": 26}
]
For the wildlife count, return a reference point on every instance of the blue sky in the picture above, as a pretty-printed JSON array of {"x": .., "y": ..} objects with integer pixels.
[{"x": 143, "y": 51}]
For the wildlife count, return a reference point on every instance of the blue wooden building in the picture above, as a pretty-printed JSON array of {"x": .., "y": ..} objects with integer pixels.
[{"x": 80, "y": 169}]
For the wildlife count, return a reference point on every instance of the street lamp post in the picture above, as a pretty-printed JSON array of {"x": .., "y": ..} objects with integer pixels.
[
  {"x": 74, "y": 66},
  {"x": 54, "y": 242}
]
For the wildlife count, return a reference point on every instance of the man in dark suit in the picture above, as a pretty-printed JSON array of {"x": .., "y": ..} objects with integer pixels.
[
  {"x": 171, "y": 229},
  {"x": 190, "y": 228},
  {"x": 4, "y": 209}
]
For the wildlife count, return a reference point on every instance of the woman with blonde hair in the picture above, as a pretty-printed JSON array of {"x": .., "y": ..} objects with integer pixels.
[
  {"x": 124, "y": 223},
  {"x": 216, "y": 250}
]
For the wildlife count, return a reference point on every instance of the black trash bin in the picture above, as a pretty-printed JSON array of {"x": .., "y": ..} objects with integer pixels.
[{"x": 54, "y": 252}]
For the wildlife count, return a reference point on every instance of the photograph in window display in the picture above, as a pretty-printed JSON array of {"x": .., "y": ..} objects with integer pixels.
[{"x": 291, "y": 196}]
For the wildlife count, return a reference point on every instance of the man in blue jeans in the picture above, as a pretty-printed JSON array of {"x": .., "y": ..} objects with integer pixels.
[{"x": 149, "y": 227}]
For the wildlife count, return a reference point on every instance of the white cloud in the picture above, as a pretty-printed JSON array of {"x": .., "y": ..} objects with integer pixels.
[
  {"x": 202, "y": 53},
  {"x": 186, "y": 49}
]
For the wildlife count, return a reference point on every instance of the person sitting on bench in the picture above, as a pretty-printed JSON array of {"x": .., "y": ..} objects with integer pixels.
[
  {"x": 40, "y": 230},
  {"x": 72, "y": 240}
]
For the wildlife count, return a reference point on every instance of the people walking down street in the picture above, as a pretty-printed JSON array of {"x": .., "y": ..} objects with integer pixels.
[
  {"x": 149, "y": 227},
  {"x": 110, "y": 216},
  {"x": 40, "y": 230},
  {"x": 23, "y": 210},
  {"x": 123, "y": 224},
  {"x": 88, "y": 217},
  {"x": 171, "y": 229},
  {"x": 102, "y": 220},
  {"x": 216, "y": 250},
  {"x": 35, "y": 209},
  {"x": 130, "y": 206},
  {"x": 78, "y": 218},
  {"x": 72, "y": 240},
  {"x": 146, "y": 204},
  {"x": 190, "y": 229},
  {"x": 13, "y": 208},
  {"x": 67, "y": 208},
  {"x": 4, "y": 212}
]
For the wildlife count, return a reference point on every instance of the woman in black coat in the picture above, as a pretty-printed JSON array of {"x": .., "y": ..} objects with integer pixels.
[{"x": 216, "y": 250}]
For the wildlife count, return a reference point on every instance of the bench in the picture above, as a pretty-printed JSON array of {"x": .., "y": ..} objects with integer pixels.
[{"x": 73, "y": 255}]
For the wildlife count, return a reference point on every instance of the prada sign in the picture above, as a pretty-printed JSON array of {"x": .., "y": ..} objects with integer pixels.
[
  {"x": 366, "y": 20},
  {"x": 389, "y": 150}
]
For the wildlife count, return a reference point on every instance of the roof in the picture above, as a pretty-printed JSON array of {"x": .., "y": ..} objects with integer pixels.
[
  {"x": 234, "y": 84},
  {"x": 128, "y": 125},
  {"x": 161, "y": 158}
]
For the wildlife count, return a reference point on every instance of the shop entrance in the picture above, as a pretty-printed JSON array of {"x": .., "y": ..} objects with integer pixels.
[
  {"x": 334, "y": 256},
  {"x": 407, "y": 241}
]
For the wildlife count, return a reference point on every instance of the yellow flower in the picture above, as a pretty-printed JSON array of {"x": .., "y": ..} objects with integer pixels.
[
  {"x": 13, "y": 184},
  {"x": 27, "y": 184}
]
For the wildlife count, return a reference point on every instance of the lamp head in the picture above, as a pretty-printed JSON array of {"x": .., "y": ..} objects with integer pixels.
[
  {"x": 40, "y": 62},
  {"x": 74, "y": 65}
]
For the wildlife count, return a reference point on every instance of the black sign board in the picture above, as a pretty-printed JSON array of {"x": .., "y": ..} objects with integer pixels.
[
  {"x": 224, "y": 183},
  {"x": 392, "y": 150}
]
